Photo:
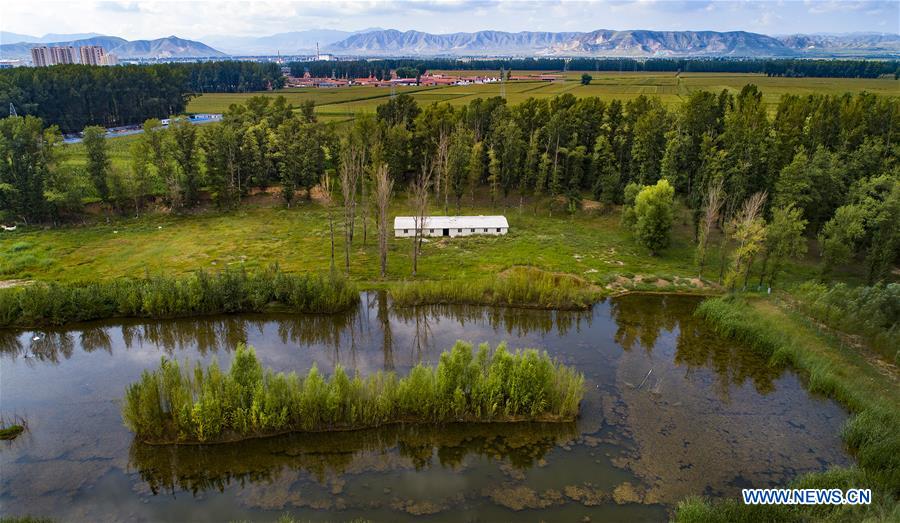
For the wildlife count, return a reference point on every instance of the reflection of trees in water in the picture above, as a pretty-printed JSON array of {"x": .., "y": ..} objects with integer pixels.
[
  {"x": 641, "y": 319},
  {"x": 387, "y": 335},
  {"x": 201, "y": 468},
  {"x": 515, "y": 322},
  {"x": 39, "y": 345},
  {"x": 733, "y": 363}
]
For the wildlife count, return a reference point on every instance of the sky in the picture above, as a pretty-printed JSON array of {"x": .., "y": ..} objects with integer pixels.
[{"x": 195, "y": 18}]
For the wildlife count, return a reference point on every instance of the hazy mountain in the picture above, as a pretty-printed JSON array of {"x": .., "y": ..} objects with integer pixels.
[
  {"x": 391, "y": 41},
  {"x": 22, "y": 51},
  {"x": 13, "y": 38},
  {"x": 294, "y": 42},
  {"x": 170, "y": 47},
  {"x": 836, "y": 43},
  {"x": 636, "y": 43},
  {"x": 671, "y": 43}
]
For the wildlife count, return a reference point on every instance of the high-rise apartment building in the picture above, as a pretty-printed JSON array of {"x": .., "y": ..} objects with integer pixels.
[
  {"x": 41, "y": 56},
  {"x": 92, "y": 55}
]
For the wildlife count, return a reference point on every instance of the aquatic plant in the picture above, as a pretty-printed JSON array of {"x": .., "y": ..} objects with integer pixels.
[
  {"x": 872, "y": 433},
  {"x": 525, "y": 287},
  {"x": 228, "y": 291},
  {"x": 11, "y": 428},
  {"x": 180, "y": 405}
]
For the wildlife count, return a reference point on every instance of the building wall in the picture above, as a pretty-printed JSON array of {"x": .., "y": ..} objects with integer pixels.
[{"x": 491, "y": 231}]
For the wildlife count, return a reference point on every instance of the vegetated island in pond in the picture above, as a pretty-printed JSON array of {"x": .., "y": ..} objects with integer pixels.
[{"x": 171, "y": 405}]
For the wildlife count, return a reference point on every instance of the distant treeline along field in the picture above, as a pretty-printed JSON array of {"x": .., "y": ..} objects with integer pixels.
[{"x": 74, "y": 96}]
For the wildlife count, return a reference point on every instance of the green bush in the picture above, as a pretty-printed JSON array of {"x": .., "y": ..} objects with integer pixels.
[
  {"x": 173, "y": 405},
  {"x": 166, "y": 297},
  {"x": 871, "y": 312},
  {"x": 523, "y": 287}
]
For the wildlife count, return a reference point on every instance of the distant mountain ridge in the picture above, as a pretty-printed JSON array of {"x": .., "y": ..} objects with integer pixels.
[
  {"x": 169, "y": 47},
  {"x": 391, "y": 42},
  {"x": 603, "y": 42},
  {"x": 293, "y": 42}
]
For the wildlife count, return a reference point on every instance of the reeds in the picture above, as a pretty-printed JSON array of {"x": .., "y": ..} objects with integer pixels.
[
  {"x": 873, "y": 432},
  {"x": 181, "y": 405},
  {"x": 524, "y": 287},
  {"x": 228, "y": 291}
]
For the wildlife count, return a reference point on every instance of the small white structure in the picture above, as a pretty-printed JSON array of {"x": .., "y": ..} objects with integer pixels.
[{"x": 452, "y": 226}]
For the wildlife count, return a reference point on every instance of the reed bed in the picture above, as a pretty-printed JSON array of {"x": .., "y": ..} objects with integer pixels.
[
  {"x": 523, "y": 287},
  {"x": 228, "y": 291},
  {"x": 173, "y": 404},
  {"x": 872, "y": 433}
]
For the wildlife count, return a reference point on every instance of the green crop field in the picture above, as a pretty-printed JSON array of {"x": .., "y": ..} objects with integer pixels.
[{"x": 342, "y": 103}]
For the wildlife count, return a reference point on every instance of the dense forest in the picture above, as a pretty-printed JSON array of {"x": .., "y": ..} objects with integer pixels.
[
  {"x": 770, "y": 67},
  {"x": 823, "y": 166},
  {"x": 74, "y": 96}
]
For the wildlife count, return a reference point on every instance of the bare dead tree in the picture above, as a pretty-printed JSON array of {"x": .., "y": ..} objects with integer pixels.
[
  {"x": 712, "y": 208},
  {"x": 384, "y": 187},
  {"x": 328, "y": 202},
  {"x": 351, "y": 169},
  {"x": 419, "y": 196}
]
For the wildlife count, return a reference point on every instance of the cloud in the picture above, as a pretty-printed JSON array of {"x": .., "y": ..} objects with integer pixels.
[{"x": 119, "y": 7}]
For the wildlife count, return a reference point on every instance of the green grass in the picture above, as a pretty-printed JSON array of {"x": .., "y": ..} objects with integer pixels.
[
  {"x": 342, "y": 103},
  {"x": 832, "y": 369},
  {"x": 592, "y": 246},
  {"x": 171, "y": 405}
]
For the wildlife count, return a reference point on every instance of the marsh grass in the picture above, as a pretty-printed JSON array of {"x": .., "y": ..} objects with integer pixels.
[
  {"x": 871, "y": 312},
  {"x": 12, "y": 427},
  {"x": 524, "y": 287},
  {"x": 228, "y": 291},
  {"x": 837, "y": 371},
  {"x": 192, "y": 405}
]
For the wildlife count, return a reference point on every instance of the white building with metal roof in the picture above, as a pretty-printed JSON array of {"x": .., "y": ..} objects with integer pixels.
[{"x": 452, "y": 226}]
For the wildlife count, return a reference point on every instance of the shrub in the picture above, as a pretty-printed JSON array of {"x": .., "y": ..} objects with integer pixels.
[
  {"x": 871, "y": 312},
  {"x": 166, "y": 297},
  {"x": 174, "y": 405}
]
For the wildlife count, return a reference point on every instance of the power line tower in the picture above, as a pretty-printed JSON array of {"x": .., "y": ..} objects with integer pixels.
[
  {"x": 502, "y": 83},
  {"x": 12, "y": 110},
  {"x": 393, "y": 90}
]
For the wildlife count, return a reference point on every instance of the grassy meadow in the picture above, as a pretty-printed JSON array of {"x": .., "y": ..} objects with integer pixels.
[
  {"x": 592, "y": 245},
  {"x": 338, "y": 104}
]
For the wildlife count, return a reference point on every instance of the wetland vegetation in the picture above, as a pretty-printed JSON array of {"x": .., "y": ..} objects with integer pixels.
[
  {"x": 175, "y": 405},
  {"x": 228, "y": 291},
  {"x": 832, "y": 368}
]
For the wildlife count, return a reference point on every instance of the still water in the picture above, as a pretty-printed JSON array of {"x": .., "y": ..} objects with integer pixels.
[{"x": 671, "y": 410}]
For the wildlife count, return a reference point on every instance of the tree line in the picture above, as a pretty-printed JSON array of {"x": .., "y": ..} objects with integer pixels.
[
  {"x": 768, "y": 66},
  {"x": 74, "y": 96},
  {"x": 821, "y": 166}
]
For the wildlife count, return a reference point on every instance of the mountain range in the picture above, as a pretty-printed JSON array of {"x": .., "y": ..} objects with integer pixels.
[
  {"x": 390, "y": 42},
  {"x": 603, "y": 42},
  {"x": 169, "y": 47}
]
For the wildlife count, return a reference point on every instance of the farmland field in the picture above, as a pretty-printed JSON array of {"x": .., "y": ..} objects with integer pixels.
[{"x": 343, "y": 102}]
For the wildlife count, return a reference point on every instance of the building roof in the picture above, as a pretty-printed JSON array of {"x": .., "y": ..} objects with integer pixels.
[{"x": 452, "y": 222}]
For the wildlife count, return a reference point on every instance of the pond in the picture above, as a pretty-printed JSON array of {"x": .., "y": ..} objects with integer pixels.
[{"x": 671, "y": 410}]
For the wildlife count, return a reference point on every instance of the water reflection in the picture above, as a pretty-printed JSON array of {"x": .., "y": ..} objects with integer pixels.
[
  {"x": 693, "y": 427},
  {"x": 200, "y": 468}
]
